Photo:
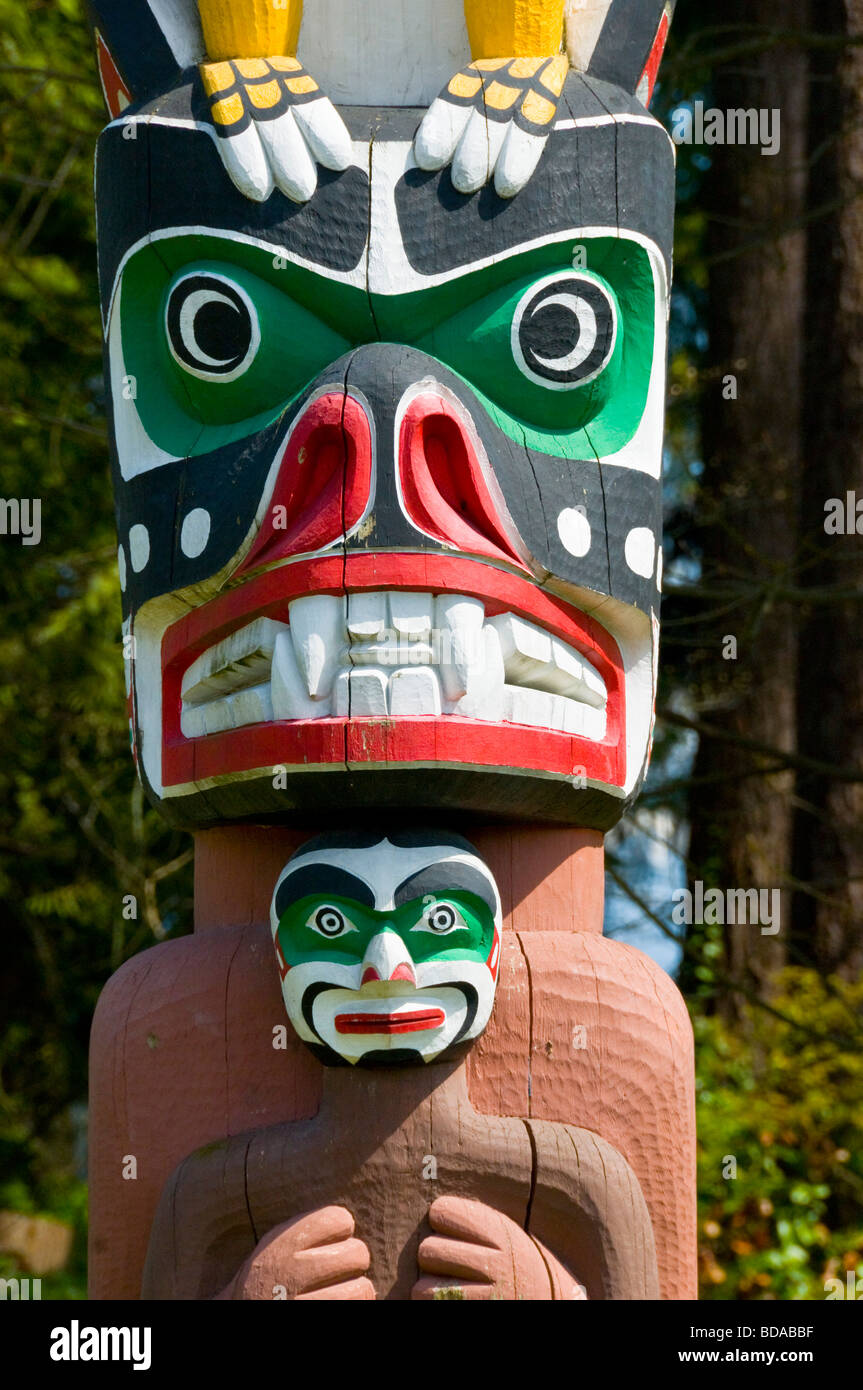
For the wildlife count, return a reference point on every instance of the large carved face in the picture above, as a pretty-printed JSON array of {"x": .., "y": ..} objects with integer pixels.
[
  {"x": 388, "y": 948},
  {"x": 387, "y": 469}
]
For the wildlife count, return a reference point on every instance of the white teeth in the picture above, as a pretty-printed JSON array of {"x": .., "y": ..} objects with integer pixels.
[
  {"x": 319, "y": 633},
  {"x": 524, "y": 706},
  {"x": 367, "y": 615},
  {"x": 484, "y": 698},
  {"x": 458, "y": 622},
  {"x": 290, "y": 694},
  {"x": 534, "y": 659},
  {"x": 414, "y": 692},
  {"x": 242, "y": 659},
  {"x": 412, "y": 614},
  {"x": 250, "y": 706},
  {"x": 393, "y": 655},
  {"x": 361, "y": 693}
]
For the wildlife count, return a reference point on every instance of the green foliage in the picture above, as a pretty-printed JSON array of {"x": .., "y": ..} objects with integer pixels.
[
  {"x": 75, "y": 835},
  {"x": 783, "y": 1096}
]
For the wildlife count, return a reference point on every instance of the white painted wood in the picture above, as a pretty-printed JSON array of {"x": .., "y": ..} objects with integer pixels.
[
  {"x": 584, "y": 20},
  {"x": 411, "y": 613},
  {"x": 179, "y": 22},
  {"x": 477, "y": 152},
  {"x": 289, "y": 158},
  {"x": 414, "y": 691},
  {"x": 288, "y": 690},
  {"x": 485, "y": 693},
  {"x": 319, "y": 635},
  {"x": 361, "y": 693},
  {"x": 517, "y": 161},
  {"x": 325, "y": 133},
  {"x": 252, "y": 706},
  {"x": 383, "y": 52},
  {"x": 458, "y": 635},
  {"x": 367, "y": 615}
]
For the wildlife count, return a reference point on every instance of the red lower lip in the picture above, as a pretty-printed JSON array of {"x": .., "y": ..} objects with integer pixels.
[
  {"x": 450, "y": 740},
  {"x": 415, "y": 1022}
]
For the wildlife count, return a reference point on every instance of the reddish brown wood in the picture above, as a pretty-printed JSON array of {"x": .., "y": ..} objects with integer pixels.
[{"x": 182, "y": 1047}]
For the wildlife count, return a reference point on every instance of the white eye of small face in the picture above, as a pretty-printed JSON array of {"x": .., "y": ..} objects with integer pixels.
[
  {"x": 330, "y": 922},
  {"x": 212, "y": 327},
  {"x": 441, "y": 918},
  {"x": 564, "y": 331}
]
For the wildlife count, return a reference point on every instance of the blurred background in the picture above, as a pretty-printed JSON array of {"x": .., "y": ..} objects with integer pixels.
[{"x": 757, "y": 778}]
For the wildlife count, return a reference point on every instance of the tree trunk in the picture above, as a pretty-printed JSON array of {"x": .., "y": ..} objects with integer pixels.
[
  {"x": 828, "y": 917},
  {"x": 742, "y": 814}
]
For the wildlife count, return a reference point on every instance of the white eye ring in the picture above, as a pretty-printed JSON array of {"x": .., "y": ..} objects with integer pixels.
[
  {"x": 592, "y": 311},
  {"x": 449, "y": 920},
  {"x": 330, "y": 922},
  {"x": 188, "y": 298}
]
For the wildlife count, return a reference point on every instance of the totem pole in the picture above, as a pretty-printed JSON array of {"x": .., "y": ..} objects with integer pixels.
[{"x": 385, "y": 294}]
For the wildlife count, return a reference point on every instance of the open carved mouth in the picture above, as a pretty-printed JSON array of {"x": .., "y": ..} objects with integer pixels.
[
  {"x": 392, "y": 653},
  {"x": 387, "y": 642},
  {"x": 403, "y": 1021}
]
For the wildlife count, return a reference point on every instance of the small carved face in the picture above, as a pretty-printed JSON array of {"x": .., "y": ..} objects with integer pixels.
[{"x": 388, "y": 949}]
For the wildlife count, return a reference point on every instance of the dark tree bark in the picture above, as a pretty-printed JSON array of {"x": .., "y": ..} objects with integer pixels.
[
  {"x": 828, "y": 916},
  {"x": 742, "y": 815}
]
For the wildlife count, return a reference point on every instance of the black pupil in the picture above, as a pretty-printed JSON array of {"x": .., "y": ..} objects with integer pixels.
[
  {"x": 330, "y": 923},
  {"x": 222, "y": 331},
  {"x": 219, "y": 338},
  {"x": 550, "y": 333},
  {"x": 553, "y": 331},
  {"x": 442, "y": 918}
]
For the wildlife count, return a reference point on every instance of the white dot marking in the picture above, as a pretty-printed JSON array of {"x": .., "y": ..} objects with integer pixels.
[
  {"x": 640, "y": 551},
  {"x": 139, "y": 547},
  {"x": 573, "y": 528},
  {"x": 195, "y": 533}
]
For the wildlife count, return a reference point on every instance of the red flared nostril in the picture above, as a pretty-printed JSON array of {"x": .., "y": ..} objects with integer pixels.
[
  {"x": 323, "y": 483},
  {"x": 447, "y": 492},
  {"x": 370, "y": 975},
  {"x": 404, "y": 972}
]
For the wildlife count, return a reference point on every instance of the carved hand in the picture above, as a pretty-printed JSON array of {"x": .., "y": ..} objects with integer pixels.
[
  {"x": 478, "y": 1253},
  {"x": 313, "y": 1256}
]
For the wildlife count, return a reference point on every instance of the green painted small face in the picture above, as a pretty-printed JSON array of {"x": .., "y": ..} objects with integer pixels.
[
  {"x": 221, "y": 337},
  {"x": 415, "y": 980}
]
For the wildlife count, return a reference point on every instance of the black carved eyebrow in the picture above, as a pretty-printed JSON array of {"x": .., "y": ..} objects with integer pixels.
[
  {"x": 449, "y": 877},
  {"x": 321, "y": 880}
]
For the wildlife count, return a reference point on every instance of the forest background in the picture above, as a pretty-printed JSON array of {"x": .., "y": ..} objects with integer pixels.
[{"x": 758, "y": 776}]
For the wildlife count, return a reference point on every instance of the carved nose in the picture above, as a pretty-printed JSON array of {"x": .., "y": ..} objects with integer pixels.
[
  {"x": 387, "y": 959},
  {"x": 323, "y": 484},
  {"x": 447, "y": 484}
]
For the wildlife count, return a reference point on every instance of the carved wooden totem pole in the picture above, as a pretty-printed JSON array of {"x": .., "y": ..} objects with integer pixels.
[{"x": 386, "y": 349}]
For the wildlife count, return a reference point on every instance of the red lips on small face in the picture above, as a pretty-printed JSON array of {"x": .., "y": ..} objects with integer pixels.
[{"x": 417, "y": 1021}]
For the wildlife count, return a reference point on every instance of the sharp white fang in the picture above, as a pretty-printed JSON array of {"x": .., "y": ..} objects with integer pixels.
[
  {"x": 319, "y": 636},
  {"x": 289, "y": 692}
]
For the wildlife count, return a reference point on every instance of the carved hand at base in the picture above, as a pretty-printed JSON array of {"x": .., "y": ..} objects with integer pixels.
[
  {"x": 478, "y": 1253},
  {"x": 312, "y": 1257}
]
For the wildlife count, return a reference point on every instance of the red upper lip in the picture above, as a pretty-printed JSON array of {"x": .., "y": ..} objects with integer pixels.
[{"x": 449, "y": 739}]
